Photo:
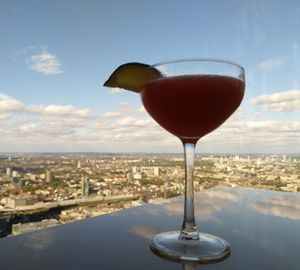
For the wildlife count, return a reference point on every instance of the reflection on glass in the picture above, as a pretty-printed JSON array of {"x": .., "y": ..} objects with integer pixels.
[
  {"x": 207, "y": 203},
  {"x": 143, "y": 231},
  {"x": 39, "y": 241},
  {"x": 283, "y": 205}
]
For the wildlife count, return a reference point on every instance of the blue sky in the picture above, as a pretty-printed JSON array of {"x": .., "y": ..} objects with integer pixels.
[{"x": 55, "y": 55}]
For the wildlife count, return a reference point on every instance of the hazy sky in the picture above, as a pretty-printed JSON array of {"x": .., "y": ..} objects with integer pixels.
[{"x": 55, "y": 56}]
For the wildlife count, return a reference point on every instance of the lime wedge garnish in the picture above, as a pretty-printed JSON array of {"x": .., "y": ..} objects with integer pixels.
[{"x": 132, "y": 76}]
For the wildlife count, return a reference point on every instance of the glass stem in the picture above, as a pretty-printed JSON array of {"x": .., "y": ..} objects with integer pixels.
[
  {"x": 189, "y": 229},
  {"x": 186, "y": 266}
]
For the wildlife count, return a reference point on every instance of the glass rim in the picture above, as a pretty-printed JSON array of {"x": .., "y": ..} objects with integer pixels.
[{"x": 203, "y": 59}]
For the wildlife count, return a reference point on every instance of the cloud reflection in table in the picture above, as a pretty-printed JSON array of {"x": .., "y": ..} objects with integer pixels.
[{"x": 263, "y": 228}]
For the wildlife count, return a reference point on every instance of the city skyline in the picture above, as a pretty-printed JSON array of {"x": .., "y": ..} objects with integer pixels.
[
  {"x": 56, "y": 55},
  {"x": 70, "y": 187}
]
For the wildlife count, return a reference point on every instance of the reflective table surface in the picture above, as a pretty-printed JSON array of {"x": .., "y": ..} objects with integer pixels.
[{"x": 262, "y": 227}]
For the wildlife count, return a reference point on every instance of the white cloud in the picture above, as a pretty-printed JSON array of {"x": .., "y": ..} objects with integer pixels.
[
  {"x": 268, "y": 131},
  {"x": 39, "y": 59},
  {"x": 127, "y": 108},
  {"x": 4, "y": 116},
  {"x": 271, "y": 63},
  {"x": 29, "y": 50},
  {"x": 116, "y": 90},
  {"x": 9, "y": 104},
  {"x": 31, "y": 127},
  {"x": 142, "y": 109},
  {"x": 45, "y": 63},
  {"x": 67, "y": 110},
  {"x": 254, "y": 137},
  {"x": 287, "y": 101},
  {"x": 112, "y": 114},
  {"x": 131, "y": 121}
]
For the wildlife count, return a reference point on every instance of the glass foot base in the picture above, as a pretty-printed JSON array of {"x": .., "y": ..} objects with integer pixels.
[{"x": 208, "y": 249}]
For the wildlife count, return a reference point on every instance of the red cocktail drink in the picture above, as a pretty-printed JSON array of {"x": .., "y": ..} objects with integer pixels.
[{"x": 190, "y": 106}]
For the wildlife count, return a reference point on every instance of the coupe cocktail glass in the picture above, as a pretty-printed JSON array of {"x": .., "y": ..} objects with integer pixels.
[{"x": 191, "y": 99}]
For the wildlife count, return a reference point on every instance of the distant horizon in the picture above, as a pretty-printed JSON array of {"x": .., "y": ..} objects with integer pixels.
[{"x": 152, "y": 153}]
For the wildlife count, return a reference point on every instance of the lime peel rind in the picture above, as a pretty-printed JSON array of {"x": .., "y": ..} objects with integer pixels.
[{"x": 132, "y": 76}]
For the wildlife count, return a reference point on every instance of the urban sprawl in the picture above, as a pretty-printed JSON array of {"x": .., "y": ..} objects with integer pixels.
[{"x": 44, "y": 190}]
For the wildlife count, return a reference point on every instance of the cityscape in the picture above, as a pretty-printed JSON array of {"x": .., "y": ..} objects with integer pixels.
[{"x": 40, "y": 190}]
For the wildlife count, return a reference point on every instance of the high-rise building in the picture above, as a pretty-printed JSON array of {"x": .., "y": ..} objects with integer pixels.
[
  {"x": 156, "y": 171},
  {"x": 85, "y": 187},
  {"x": 82, "y": 185},
  {"x": 258, "y": 162},
  {"x": 236, "y": 158},
  {"x": 79, "y": 164},
  {"x": 8, "y": 172},
  {"x": 14, "y": 174},
  {"x": 48, "y": 176},
  {"x": 221, "y": 160}
]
